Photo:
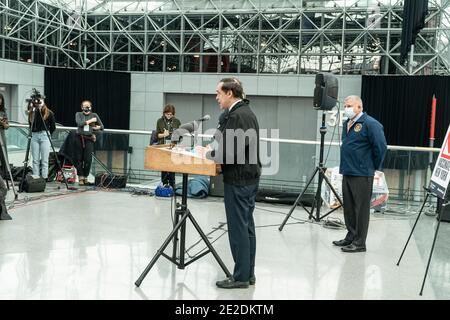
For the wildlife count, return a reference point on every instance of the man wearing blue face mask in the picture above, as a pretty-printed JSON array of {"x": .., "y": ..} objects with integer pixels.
[{"x": 362, "y": 152}]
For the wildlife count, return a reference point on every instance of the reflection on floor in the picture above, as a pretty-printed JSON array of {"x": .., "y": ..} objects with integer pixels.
[{"x": 95, "y": 244}]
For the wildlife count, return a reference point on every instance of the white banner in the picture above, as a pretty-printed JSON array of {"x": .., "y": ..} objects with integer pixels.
[{"x": 441, "y": 173}]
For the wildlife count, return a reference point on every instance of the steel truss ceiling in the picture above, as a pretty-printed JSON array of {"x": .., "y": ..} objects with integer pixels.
[{"x": 246, "y": 36}]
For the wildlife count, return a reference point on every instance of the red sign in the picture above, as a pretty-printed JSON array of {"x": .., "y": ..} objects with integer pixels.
[{"x": 446, "y": 147}]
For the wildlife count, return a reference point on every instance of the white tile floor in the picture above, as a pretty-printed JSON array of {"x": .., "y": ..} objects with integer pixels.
[{"x": 94, "y": 245}]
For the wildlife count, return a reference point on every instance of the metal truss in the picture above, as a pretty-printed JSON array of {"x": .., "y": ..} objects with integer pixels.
[{"x": 245, "y": 36}]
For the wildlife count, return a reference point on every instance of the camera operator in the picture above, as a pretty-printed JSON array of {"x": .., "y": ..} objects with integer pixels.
[
  {"x": 164, "y": 127},
  {"x": 4, "y": 124},
  {"x": 40, "y": 118},
  {"x": 88, "y": 124}
]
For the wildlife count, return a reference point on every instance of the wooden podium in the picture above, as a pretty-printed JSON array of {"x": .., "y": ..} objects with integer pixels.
[{"x": 166, "y": 158}]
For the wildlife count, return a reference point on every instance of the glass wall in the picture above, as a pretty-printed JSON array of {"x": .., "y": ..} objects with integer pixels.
[{"x": 281, "y": 37}]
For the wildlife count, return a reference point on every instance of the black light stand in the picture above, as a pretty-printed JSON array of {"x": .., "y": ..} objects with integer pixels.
[
  {"x": 5, "y": 163},
  {"x": 27, "y": 153},
  {"x": 182, "y": 213},
  {"x": 3, "y": 190},
  {"x": 130, "y": 171},
  {"x": 3, "y": 210},
  {"x": 434, "y": 239},
  {"x": 317, "y": 202},
  {"x": 101, "y": 164}
]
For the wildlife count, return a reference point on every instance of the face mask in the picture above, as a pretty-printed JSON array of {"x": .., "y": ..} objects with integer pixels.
[
  {"x": 349, "y": 113},
  {"x": 86, "y": 110}
]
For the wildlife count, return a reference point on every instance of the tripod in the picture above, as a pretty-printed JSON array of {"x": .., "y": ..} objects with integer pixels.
[
  {"x": 182, "y": 213},
  {"x": 435, "y": 235},
  {"x": 27, "y": 153},
  {"x": 5, "y": 165},
  {"x": 101, "y": 164},
  {"x": 317, "y": 203},
  {"x": 130, "y": 172}
]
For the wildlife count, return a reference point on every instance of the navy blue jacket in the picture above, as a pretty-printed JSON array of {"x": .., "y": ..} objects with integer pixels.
[{"x": 363, "y": 147}]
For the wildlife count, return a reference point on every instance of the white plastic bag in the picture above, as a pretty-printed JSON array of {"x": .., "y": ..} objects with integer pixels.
[{"x": 380, "y": 194}]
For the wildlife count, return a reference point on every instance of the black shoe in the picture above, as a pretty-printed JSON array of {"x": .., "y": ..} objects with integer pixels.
[
  {"x": 252, "y": 280},
  {"x": 342, "y": 243},
  {"x": 353, "y": 248},
  {"x": 230, "y": 283}
]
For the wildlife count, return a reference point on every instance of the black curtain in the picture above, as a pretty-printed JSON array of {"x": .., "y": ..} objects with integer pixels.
[
  {"x": 403, "y": 106},
  {"x": 414, "y": 12},
  {"x": 108, "y": 91}
]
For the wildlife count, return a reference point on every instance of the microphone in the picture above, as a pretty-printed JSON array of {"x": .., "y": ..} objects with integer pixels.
[
  {"x": 204, "y": 118},
  {"x": 188, "y": 128}
]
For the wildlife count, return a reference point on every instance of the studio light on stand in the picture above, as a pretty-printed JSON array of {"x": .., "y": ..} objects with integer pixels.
[{"x": 325, "y": 99}]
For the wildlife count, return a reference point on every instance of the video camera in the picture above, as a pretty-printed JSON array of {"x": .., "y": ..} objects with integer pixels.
[{"x": 36, "y": 99}]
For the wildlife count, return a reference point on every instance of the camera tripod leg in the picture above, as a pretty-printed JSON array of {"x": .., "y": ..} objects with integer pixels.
[
  {"x": 25, "y": 162},
  {"x": 327, "y": 181},
  {"x": 57, "y": 161},
  {"x": 56, "y": 154},
  {"x": 298, "y": 200}
]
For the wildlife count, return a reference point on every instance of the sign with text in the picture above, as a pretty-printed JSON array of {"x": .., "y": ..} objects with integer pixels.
[{"x": 441, "y": 173}]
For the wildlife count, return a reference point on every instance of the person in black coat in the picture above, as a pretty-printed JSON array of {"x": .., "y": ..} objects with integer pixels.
[{"x": 238, "y": 153}]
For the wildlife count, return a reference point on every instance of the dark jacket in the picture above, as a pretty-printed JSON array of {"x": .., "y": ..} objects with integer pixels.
[
  {"x": 241, "y": 166},
  {"x": 38, "y": 123},
  {"x": 80, "y": 120},
  {"x": 363, "y": 147},
  {"x": 169, "y": 125},
  {"x": 70, "y": 147}
]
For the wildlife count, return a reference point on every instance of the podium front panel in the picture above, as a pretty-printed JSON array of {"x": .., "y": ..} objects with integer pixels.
[{"x": 163, "y": 158}]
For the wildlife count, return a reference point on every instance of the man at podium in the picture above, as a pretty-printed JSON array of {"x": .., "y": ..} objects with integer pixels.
[{"x": 238, "y": 154}]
